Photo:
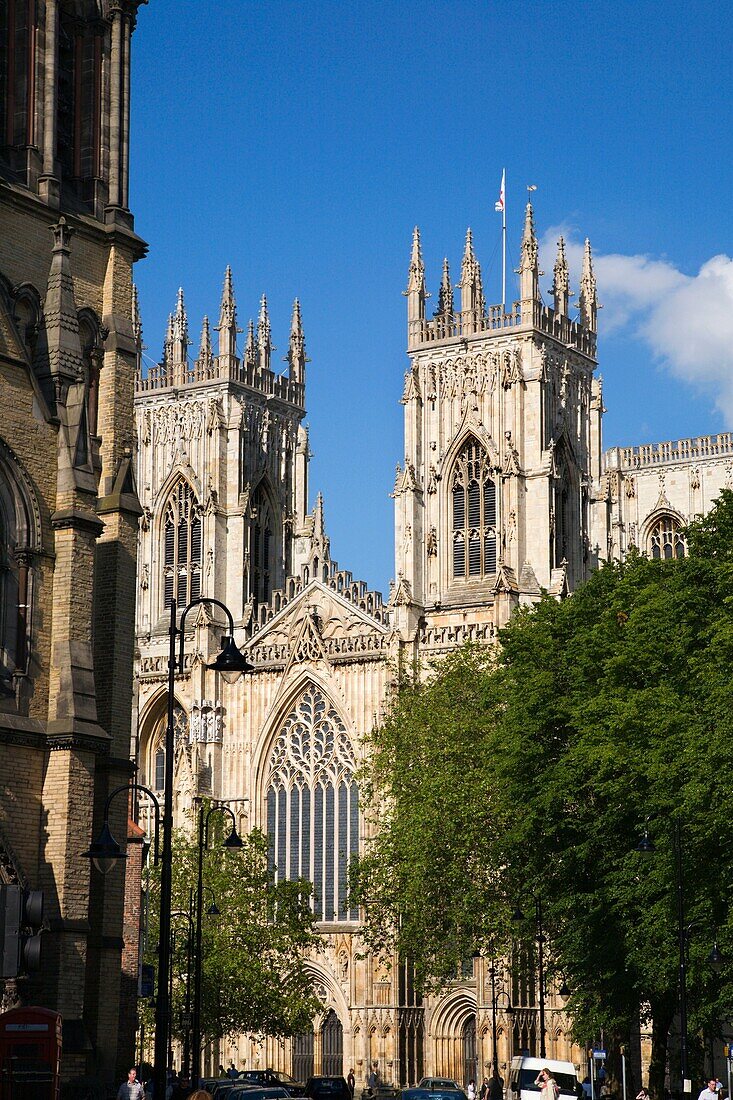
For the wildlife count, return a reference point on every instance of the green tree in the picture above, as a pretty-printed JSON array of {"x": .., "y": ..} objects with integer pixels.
[
  {"x": 255, "y": 977},
  {"x": 601, "y": 711}
]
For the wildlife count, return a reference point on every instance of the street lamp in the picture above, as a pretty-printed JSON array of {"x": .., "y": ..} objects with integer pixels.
[
  {"x": 231, "y": 663},
  {"x": 232, "y": 841},
  {"x": 518, "y": 917},
  {"x": 494, "y": 1006},
  {"x": 715, "y": 958},
  {"x": 104, "y": 852}
]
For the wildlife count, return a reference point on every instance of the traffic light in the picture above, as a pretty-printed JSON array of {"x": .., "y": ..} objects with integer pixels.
[{"x": 21, "y": 917}]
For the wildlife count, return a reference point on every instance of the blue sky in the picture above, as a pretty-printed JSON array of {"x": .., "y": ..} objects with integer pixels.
[{"x": 300, "y": 142}]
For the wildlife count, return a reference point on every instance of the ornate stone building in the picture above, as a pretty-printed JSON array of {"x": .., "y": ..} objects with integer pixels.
[
  {"x": 502, "y": 492},
  {"x": 68, "y": 504}
]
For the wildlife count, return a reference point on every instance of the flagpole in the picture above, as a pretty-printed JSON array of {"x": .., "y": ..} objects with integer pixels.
[{"x": 503, "y": 246}]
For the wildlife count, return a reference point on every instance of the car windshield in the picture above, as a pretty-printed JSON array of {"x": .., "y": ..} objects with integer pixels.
[
  {"x": 567, "y": 1082},
  {"x": 285, "y": 1078}
]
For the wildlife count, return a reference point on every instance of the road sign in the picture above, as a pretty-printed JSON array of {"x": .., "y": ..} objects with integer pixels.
[{"x": 599, "y": 1055}]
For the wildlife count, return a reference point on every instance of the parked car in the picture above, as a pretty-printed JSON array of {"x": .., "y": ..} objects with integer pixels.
[
  {"x": 252, "y": 1092},
  {"x": 439, "y": 1084},
  {"x": 435, "y": 1091},
  {"x": 523, "y": 1074},
  {"x": 327, "y": 1088},
  {"x": 270, "y": 1078}
]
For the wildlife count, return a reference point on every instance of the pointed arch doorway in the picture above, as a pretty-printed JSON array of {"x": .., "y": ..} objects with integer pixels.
[
  {"x": 303, "y": 1050},
  {"x": 332, "y": 1037}
]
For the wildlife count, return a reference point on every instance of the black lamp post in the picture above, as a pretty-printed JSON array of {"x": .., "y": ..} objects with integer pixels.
[
  {"x": 518, "y": 916},
  {"x": 233, "y": 841},
  {"x": 186, "y": 1016},
  {"x": 495, "y": 995},
  {"x": 104, "y": 852},
  {"x": 647, "y": 847},
  {"x": 231, "y": 663}
]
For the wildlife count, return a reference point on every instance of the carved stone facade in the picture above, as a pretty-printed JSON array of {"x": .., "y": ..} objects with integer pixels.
[{"x": 502, "y": 492}]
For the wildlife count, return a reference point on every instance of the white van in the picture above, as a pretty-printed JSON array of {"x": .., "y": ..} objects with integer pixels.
[{"x": 524, "y": 1072}]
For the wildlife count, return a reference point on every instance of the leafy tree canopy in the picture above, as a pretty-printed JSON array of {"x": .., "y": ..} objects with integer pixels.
[
  {"x": 534, "y": 774},
  {"x": 255, "y": 977}
]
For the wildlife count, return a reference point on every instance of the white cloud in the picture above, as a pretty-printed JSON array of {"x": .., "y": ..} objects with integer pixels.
[{"x": 686, "y": 321}]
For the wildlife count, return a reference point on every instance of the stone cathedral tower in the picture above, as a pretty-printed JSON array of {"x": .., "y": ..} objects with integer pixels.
[{"x": 494, "y": 500}]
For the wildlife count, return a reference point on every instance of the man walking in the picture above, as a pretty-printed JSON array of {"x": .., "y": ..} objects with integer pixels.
[
  {"x": 131, "y": 1089},
  {"x": 710, "y": 1092}
]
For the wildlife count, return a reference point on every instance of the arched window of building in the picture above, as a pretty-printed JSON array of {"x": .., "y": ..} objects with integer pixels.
[
  {"x": 181, "y": 547},
  {"x": 313, "y": 804},
  {"x": 262, "y": 546},
  {"x": 180, "y": 731},
  {"x": 14, "y": 578},
  {"x": 473, "y": 500},
  {"x": 666, "y": 539}
]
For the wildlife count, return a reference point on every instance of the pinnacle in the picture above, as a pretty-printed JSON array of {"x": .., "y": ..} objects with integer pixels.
[
  {"x": 468, "y": 251},
  {"x": 296, "y": 324}
]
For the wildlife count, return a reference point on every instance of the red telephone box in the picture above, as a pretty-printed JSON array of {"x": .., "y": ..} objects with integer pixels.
[{"x": 30, "y": 1054}]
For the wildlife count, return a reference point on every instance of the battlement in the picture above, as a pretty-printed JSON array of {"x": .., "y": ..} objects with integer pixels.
[
  {"x": 253, "y": 369},
  {"x": 659, "y": 454},
  {"x": 338, "y": 580},
  {"x": 523, "y": 316},
  {"x": 165, "y": 376}
]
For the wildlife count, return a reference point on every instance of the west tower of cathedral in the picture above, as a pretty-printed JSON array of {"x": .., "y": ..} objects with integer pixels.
[{"x": 68, "y": 504}]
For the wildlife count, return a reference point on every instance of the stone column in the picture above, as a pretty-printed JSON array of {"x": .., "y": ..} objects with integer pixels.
[
  {"x": 125, "y": 136},
  {"x": 115, "y": 107},
  {"x": 48, "y": 184}
]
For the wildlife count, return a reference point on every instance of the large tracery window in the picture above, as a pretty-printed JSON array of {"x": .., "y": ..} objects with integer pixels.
[
  {"x": 473, "y": 494},
  {"x": 181, "y": 547},
  {"x": 313, "y": 804},
  {"x": 666, "y": 539}
]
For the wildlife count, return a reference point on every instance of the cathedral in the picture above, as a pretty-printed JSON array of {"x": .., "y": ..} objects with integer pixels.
[{"x": 503, "y": 491}]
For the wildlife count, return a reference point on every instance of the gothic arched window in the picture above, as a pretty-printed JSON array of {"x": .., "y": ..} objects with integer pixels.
[
  {"x": 180, "y": 731},
  {"x": 313, "y": 804},
  {"x": 473, "y": 498},
  {"x": 666, "y": 539},
  {"x": 181, "y": 547},
  {"x": 14, "y": 579},
  {"x": 262, "y": 544}
]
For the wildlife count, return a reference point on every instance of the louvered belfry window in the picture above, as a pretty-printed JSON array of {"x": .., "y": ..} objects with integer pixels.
[
  {"x": 313, "y": 804},
  {"x": 261, "y": 547},
  {"x": 473, "y": 498},
  {"x": 181, "y": 547}
]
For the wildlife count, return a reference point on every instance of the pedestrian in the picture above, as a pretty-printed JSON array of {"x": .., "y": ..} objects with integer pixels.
[
  {"x": 373, "y": 1078},
  {"x": 131, "y": 1089},
  {"x": 222, "y": 1071},
  {"x": 588, "y": 1088},
  {"x": 496, "y": 1085},
  {"x": 181, "y": 1089},
  {"x": 471, "y": 1090},
  {"x": 710, "y": 1092},
  {"x": 547, "y": 1085},
  {"x": 484, "y": 1090},
  {"x": 232, "y": 1072},
  {"x": 351, "y": 1082}
]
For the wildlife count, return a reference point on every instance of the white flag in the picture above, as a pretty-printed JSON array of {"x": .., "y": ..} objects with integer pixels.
[{"x": 499, "y": 204}]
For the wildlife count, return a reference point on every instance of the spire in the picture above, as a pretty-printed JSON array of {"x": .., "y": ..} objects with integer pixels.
[
  {"x": 264, "y": 342},
  {"x": 588, "y": 299},
  {"x": 137, "y": 329},
  {"x": 205, "y": 357},
  {"x": 561, "y": 281},
  {"x": 472, "y": 292},
  {"x": 227, "y": 327},
  {"x": 296, "y": 347},
  {"x": 416, "y": 293},
  {"x": 529, "y": 274},
  {"x": 445, "y": 294},
  {"x": 168, "y": 341},
  {"x": 180, "y": 330},
  {"x": 250, "y": 358}
]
